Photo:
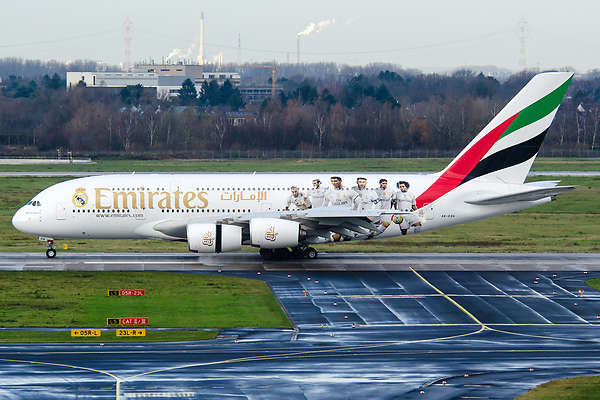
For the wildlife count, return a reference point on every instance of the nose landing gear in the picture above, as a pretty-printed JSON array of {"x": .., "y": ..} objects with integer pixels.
[{"x": 51, "y": 252}]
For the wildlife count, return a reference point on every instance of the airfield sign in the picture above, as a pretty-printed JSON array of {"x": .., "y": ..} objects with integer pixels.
[{"x": 85, "y": 332}]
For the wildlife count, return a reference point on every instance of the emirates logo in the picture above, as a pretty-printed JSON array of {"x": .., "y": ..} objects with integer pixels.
[
  {"x": 270, "y": 234},
  {"x": 208, "y": 239}
]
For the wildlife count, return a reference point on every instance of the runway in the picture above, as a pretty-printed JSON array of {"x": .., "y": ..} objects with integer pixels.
[
  {"x": 388, "y": 332},
  {"x": 66, "y": 260}
]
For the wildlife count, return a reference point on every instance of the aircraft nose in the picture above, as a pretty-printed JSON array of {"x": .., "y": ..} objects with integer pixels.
[{"x": 19, "y": 220}]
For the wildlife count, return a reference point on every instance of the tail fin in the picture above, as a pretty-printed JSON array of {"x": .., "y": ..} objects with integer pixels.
[{"x": 506, "y": 148}]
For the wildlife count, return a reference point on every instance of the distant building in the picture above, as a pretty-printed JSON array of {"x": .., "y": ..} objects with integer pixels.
[
  {"x": 166, "y": 79},
  {"x": 257, "y": 94},
  {"x": 239, "y": 118},
  {"x": 111, "y": 79},
  {"x": 220, "y": 77},
  {"x": 186, "y": 70}
]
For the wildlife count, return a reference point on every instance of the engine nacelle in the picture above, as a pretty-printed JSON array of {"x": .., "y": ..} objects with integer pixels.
[
  {"x": 273, "y": 233},
  {"x": 214, "y": 238}
]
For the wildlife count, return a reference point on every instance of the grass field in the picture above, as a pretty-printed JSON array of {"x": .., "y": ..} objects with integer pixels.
[
  {"x": 595, "y": 283},
  {"x": 580, "y": 388},
  {"x": 294, "y": 165},
  {"x": 70, "y": 299},
  {"x": 569, "y": 224}
]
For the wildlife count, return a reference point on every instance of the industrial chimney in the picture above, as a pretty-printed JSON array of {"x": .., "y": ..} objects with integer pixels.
[{"x": 201, "y": 46}]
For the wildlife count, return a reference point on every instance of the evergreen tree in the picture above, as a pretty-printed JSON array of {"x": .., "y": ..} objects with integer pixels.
[{"x": 187, "y": 93}]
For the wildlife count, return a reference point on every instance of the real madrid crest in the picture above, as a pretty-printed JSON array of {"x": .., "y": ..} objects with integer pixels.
[{"x": 80, "y": 199}]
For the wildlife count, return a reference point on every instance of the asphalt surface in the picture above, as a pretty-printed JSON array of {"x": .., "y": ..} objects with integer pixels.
[
  {"x": 369, "y": 333},
  {"x": 66, "y": 260}
]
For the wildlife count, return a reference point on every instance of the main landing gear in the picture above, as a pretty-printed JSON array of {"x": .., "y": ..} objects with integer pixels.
[
  {"x": 51, "y": 252},
  {"x": 295, "y": 253}
]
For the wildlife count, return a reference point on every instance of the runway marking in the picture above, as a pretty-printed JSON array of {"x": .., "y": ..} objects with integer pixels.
[
  {"x": 148, "y": 262},
  {"x": 116, "y": 378},
  {"x": 483, "y": 327},
  {"x": 308, "y": 353},
  {"x": 418, "y": 296},
  {"x": 159, "y": 394},
  {"x": 543, "y": 336},
  {"x": 587, "y": 325}
]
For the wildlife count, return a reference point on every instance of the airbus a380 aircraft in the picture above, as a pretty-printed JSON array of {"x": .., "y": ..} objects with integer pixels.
[{"x": 220, "y": 212}]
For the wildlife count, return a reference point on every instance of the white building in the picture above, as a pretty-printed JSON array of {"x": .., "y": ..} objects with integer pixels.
[
  {"x": 167, "y": 81},
  {"x": 111, "y": 79}
]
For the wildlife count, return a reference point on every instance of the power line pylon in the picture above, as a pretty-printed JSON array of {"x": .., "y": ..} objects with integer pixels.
[{"x": 523, "y": 28}]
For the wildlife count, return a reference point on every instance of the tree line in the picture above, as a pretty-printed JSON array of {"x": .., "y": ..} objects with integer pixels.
[{"x": 378, "y": 110}]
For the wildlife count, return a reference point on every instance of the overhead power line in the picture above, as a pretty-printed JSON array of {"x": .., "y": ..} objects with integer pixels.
[
  {"x": 381, "y": 51},
  {"x": 60, "y": 40}
]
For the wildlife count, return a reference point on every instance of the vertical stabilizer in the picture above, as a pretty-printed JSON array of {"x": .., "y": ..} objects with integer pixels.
[{"x": 506, "y": 147}]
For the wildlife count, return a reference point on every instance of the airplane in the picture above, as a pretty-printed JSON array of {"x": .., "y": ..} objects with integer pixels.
[{"x": 284, "y": 214}]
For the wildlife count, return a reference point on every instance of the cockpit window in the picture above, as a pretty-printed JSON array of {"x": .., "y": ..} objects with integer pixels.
[
  {"x": 34, "y": 203},
  {"x": 29, "y": 202},
  {"x": 37, "y": 203}
]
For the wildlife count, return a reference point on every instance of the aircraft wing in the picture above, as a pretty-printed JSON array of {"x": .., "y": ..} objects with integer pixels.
[
  {"x": 527, "y": 195},
  {"x": 316, "y": 221}
]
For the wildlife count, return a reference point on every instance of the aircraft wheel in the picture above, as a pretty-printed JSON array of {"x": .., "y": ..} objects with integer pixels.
[
  {"x": 311, "y": 253},
  {"x": 50, "y": 253}
]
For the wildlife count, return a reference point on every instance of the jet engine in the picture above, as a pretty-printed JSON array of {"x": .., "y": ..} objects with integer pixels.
[
  {"x": 273, "y": 233},
  {"x": 214, "y": 238}
]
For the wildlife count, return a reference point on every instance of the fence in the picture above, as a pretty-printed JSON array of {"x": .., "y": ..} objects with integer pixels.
[{"x": 292, "y": 154}]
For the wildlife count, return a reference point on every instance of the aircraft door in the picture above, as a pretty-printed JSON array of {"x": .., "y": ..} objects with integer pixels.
[
  {"x": 429, "y": 211},
  {"x": 61, "y": 211}
]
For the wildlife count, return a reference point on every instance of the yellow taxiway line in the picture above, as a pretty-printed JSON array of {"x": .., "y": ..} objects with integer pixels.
[
  {"x": 478, "y": 322},
  {"x": 483, "y": 325},
  {"x": 116, "y": 378}
]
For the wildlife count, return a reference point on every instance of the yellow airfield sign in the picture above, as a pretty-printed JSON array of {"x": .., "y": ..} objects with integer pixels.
[{"x": 131, "y": 332}]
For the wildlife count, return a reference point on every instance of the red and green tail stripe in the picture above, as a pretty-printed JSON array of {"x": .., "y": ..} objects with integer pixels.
[{"x": 470, "y": 164}]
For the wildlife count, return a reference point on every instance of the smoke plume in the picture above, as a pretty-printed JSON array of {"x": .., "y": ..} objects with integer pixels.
[
  {"x": 316, "y": 28},
  {"x": 180, "y": 55}
]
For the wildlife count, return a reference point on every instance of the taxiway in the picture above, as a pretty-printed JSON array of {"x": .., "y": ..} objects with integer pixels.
[{"x": 392, "y": 331}]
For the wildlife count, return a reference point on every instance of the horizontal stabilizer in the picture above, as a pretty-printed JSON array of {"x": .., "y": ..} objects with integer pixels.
[{"x": 529, "y": 195}]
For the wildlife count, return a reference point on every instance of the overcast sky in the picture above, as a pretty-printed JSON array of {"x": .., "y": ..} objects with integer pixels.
[{"x": 417, "y": 34}]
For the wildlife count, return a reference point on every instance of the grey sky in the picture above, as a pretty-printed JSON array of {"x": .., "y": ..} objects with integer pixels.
[{"x": 416, "y": 34}]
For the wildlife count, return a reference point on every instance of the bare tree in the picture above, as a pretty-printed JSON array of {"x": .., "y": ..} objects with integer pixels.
[
  {"x": 221, "y": 125},
  {"x": 595, "y": 112},
  {"x": 129, "y": 122},
  {"x": 152, "y": 122},
  {"x": 319, "y": 126}
]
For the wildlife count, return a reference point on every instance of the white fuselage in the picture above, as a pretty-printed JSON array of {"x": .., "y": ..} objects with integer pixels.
[{"x": 128, "y": 206}]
